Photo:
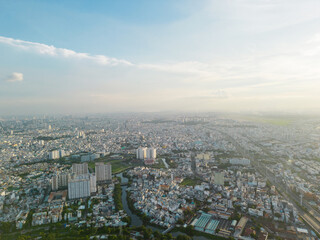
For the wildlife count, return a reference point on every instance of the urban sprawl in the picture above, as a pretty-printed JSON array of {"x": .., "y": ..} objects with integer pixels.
[{"x": 152, "y": 176}]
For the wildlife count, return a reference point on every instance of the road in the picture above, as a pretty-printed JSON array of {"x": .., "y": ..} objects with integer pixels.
[{"x": 312, "y": 218}]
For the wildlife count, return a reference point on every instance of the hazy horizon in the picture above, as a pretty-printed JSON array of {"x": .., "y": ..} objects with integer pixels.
[{"x": 159, "y": 56}]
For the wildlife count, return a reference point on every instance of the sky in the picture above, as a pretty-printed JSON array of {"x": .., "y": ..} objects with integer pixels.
[{"x": 67, "y": 57}]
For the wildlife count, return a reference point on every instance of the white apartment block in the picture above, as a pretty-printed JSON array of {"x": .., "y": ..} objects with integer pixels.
[
  {"x": 80, "y": 186},
  {"x": 56, "y": 154},
  {"x": 146, "y": 153},
  {"x": 141, "y": 153},
  {"x": 151, "y": 153}
]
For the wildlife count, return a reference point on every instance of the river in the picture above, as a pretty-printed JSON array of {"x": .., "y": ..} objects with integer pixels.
[{"x": 135, "y": 219}]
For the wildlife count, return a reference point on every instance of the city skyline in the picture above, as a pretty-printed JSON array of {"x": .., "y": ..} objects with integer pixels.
[{"x": 142, "y": 56}]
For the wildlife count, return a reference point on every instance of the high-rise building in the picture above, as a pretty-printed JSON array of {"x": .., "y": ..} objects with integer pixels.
[
  {"x": 54, "y": 154},
  {"x": 63, "y": 180},
  {"x": 80, "y": 168},
  {"x": 59, "y": 181},
  {"x": 79, "y": 186},
  {"x": 141, "y": 153},
  {"x": 219, "y": 178},
  {"x": 146, "y": 153},
  {"x": 81, "y": 134},
  {"x": 93, "y": 183},
  {"x": 151, "y": 153},
  {"x": 103, "y": 171},
  {"x": 62, "y": 153},
  {"x": 55, "y": 183}
]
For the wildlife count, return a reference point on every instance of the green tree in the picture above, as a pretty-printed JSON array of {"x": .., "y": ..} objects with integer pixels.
[
  {"x": 168, "y": 236},
  {"x": 190, "y": 230},
  {"x": 183, "y": 237},
  {"x": 157, "y": 235},
  {"x": 180, "y": 221},
  {"x": 147, "y": 234},
  {"x": 51, "y": 236}
]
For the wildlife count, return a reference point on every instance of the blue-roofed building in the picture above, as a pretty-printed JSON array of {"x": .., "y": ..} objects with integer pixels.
[
  {"x": 212, "y": 226},
  {"x": 202, "y": 222}
]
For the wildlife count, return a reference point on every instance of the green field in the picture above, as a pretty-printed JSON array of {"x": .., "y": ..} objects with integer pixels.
[
  {"x": 190, "y": 182},
  {"x": 118, "y": 165},
  {"x": 159, "y": 165}
]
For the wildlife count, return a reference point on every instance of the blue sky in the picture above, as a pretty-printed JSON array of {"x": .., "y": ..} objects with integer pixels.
[{"x": 175, "y": 55}]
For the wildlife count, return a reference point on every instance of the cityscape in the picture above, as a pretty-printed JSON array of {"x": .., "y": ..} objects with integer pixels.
[
  {"x": 209, "y": 176},
  {"x": 159, "y": 120}
]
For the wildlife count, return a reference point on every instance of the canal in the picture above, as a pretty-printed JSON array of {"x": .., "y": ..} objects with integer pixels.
[{"x": 135, "y": 219}]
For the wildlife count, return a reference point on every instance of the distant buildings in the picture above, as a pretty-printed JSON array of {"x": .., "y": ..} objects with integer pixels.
[
  {"x": 146, "y": 153},
  {"x": 141, "y": 153},
  {"x": 151, "y": 153},
  {"x": 56, "y": 154},
  {"x": 81, "y": 134},
  {"x": 89, "y": 157},
  {"x": 103, "y": 172}
]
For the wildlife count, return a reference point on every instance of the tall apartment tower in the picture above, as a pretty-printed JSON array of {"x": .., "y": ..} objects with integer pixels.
[
  {"x": 151, "y": 153},
  {"x": 63, "y": 179},
  {"x": 141, "y": 153},
  {"x": 55, "y": 182},
  {"x": 54, "y": 154},
  {"x": 93, "y": 183},
  {"x": 81, "y": 186},
  {"x": 103, "y": 171},
  {"x": 80, "y": 168},
  {"x": 59, "y": 181}
]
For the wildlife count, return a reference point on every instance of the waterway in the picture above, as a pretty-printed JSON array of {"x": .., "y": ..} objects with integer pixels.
[{"x": 135, "y": 219}]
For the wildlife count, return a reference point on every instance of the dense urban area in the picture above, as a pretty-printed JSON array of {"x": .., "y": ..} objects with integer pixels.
[{"x": 160, "y": 176}]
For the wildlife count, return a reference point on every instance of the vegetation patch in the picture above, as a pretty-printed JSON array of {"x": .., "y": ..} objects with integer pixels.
[{"x": 190, "y": 182}]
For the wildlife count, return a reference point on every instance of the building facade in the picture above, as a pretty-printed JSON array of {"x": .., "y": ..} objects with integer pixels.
[
  {"x": 79, "y": 187},
  {"x": 80, "y": 168},
  {"x": 103, "y": 172}
]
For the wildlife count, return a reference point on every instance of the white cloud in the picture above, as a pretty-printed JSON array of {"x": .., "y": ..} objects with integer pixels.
[
  {"x": 15, "y": 77},
  {"x": 191, "y": 67},
  {"x": 44, "y": 49}
]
